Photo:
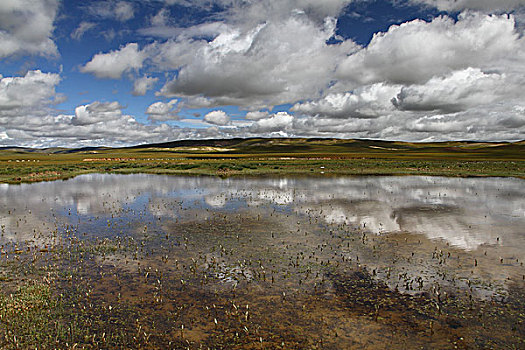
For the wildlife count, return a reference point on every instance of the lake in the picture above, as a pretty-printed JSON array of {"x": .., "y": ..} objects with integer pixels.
[{"x": 155, "y": 261}]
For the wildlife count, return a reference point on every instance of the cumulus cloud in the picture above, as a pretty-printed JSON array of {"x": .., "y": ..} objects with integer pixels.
[
  {"x": 457, "y": 5},
  {"x": 217, "y": 118},
  {"x": 279, "y": 122},
  {"x": 97, "y": 112},
  {"x": 82, "y": 28},
  {"x": 115, "y": 63},
  {"x": 515, "y": 119},
  {"x": 97, "y": 123},
  {"x": 456, "y": 92},
  {"x": 273, "y": 63},
  {"x": 142, "y": 85},
  {"x": 26, "y": 27},
  {"x": 256, "y": 115},
  {"x": 465, "y": 105},
  {"x": 422, "y": 80},
  {"x": 198, "y": 102},
  {"x": 162, "y": 111},
  {"x": 435, "y": 80},
  {"x": 60, "y": 131},
  {"x": 416, "y": 51},
  {"x": 432, "y": 81},
  {"x": 499, "y": 123},
  {"x": 263, "y": 65},
  {"x": 35, "y": 89},
  {"x": 256, "y": 54},
  {"x": 442, "y": 124},
  {"x": 369, "y": 101}
]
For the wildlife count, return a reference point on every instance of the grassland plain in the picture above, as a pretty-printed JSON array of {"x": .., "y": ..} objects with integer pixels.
[{"x": 269, "y": 157}]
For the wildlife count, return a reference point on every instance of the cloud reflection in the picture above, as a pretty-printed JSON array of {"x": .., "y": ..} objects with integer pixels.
[{"x": 466, "y": 212}]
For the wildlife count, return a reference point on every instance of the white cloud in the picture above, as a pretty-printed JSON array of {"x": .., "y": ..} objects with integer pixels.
[
  {"x": 265, "y": 65},
  {"x": 260, "y": 10},
  {"x": 369, "y": 101},
  {"x": 142, "y": 85},
  {"x": 270, "y": 64},
  {"x": 441, "y": 124},
  {"x": 162, "y": 111},
  {"x": 456, "y": 92},
  {"x": 60, "y": 131},
  {"x": 124, "y": 11},
  {"x": 280, "y": 121},
  {"x": 161, "y": 18},
  {"x": 98, "y": 123},
  {"x": 256, "y": 115},
  {"x": 437, "y": 80},
  {"x": 97, "y": 112},
  {"x": 442, "y": 80},
  {"x": 115, "y": 63},
  {"x": 26, "y": 27},
  {"x": 35, "y": 89},
  {"x": 416, "y": 51},
  {"x": 82, "y": 28},
  {"x": 121, "y": 10},
  {"x": 160, "y": 28},
  {"x": 197, "y": 102},
  {"x": 217, "y": 118},
  {"x": 487, "y": 5},
  {"x": 500, "y": 122}
]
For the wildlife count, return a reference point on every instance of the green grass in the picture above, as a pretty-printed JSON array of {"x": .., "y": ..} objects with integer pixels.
[
  {"x": 260, "y": 157},
  {"x": 27, "y": 316}
]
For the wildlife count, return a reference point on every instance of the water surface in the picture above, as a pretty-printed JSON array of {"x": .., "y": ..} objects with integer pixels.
[{"x": 351, "y": 262}]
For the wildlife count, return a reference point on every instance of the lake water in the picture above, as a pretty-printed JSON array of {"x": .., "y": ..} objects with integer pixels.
[{"x": 332, "y": 263}]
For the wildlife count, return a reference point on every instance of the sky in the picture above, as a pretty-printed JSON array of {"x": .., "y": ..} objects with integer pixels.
[{"x": 126, "y": 72}]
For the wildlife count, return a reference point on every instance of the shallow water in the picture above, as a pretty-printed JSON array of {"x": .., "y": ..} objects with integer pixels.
[{"x": 351, "y": 262}]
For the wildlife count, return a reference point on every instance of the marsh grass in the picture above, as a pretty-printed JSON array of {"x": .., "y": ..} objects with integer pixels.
[
  {"x": 271, "y": 167},
  {"x": 27, "y": 317}
]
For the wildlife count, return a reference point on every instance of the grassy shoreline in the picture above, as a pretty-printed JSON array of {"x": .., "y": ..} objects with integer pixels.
[
  {"x": 59, "y": 169},
  {"x": 270, "y": 157}
]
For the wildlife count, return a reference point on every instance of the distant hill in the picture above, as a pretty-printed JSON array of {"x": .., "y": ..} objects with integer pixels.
[
  {"x": 51, "y": 150},
  {"x": 303, "y": 146},
  {"x": 16, "y": 149},
  {"x": 291, "y": 144},
  {"x": 332, "y": 146}
]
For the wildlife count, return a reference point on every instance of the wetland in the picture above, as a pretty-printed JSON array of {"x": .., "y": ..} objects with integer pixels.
[{"x": 365, "y": 262}]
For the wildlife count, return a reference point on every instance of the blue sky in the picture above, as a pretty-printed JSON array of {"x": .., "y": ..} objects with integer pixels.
[{"x": 77, "y": 73}]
